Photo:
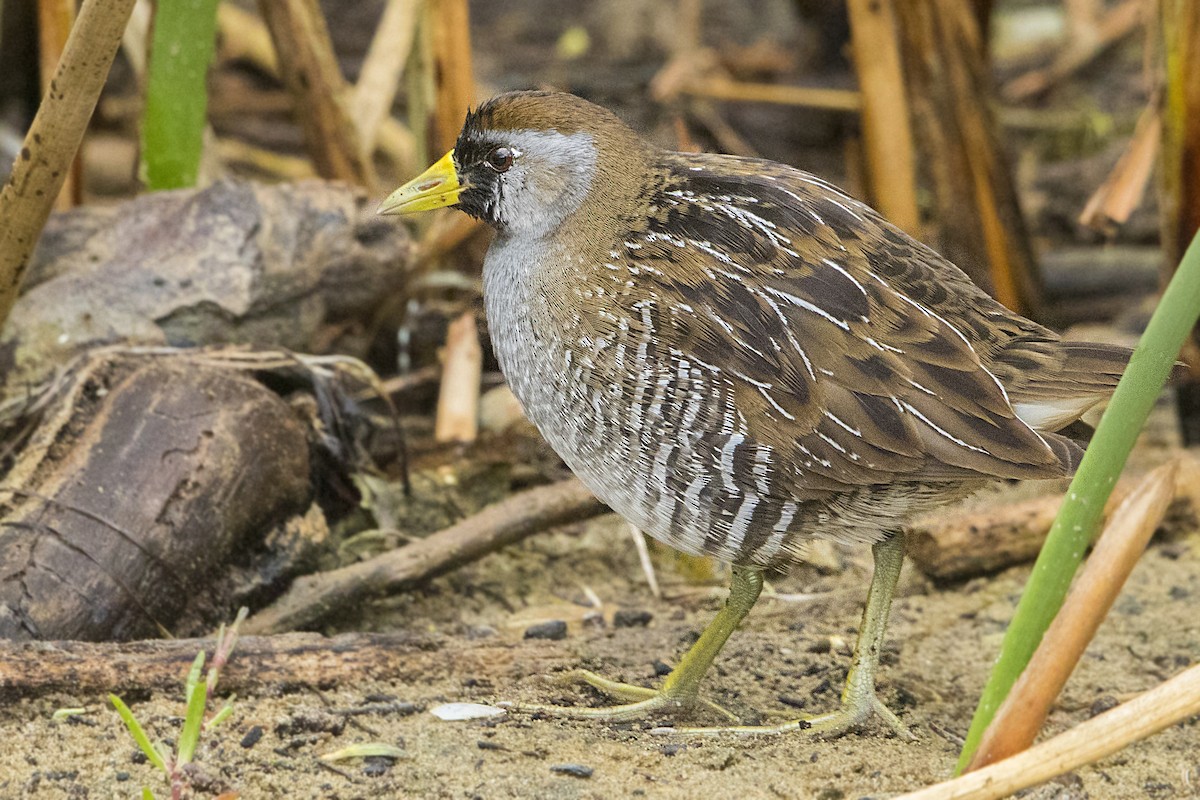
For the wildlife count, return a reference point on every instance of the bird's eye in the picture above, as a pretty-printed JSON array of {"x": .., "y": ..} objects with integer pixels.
[{"x": 500, "y": 159}]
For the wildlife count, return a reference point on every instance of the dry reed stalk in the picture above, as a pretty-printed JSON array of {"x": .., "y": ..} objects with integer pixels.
[
  {"x": 1117, "y": 551},
  {"x": 382, "y": 69},
  {"x": 1150, "y": 712},
  {"x": 1122, "y": 191},
  {"x": 462, "y": 368},
  {"x": 322, "y": 96},
  {"x": 949, "y": 91},
  {"x": 450, "y": 34},
  {"x": 54, "y": 25},
  {"x": 719, "y": 88},
  {"x": 53, "y": 139},
  {"x": 887, "y": 129}
]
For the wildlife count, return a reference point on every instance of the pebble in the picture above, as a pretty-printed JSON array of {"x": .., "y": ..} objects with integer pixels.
[
  {"x": 574, "y": 770},
  {"x": 252, "y": 736},
  {"x": 626, "y": 618},
  {"x": 554, "y": 629}
]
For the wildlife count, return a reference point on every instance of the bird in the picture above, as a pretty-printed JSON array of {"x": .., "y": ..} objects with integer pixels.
[{"x": 739, "y": 358}]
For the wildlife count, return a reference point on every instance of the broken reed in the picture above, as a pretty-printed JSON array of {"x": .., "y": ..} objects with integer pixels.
[{"x": 1083, "y": 507}]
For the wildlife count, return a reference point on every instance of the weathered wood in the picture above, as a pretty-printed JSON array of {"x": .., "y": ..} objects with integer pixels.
[
  {"x": 135, "y": 491},
  {"x": 263, "y": 663},
  {"x": 236, "y": 262},
  {"x": 976, "y": 541}
]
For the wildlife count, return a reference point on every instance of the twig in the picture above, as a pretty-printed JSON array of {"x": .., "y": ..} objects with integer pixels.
[
  {"x": 1148, "y": 713},
  {"x": 1020, "y": 717},
  {"x": 639, "y": 544},
  {"x": 462, "y": 367},
  {"x": 53, "y": 139},
  {"x": 316, "y": 597},
  {"x": 887, "y": 128},
  {"x": 1080, "y": 51}
]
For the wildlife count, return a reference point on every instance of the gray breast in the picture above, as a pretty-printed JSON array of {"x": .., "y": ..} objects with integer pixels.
[{"x": 653, "y": 432}]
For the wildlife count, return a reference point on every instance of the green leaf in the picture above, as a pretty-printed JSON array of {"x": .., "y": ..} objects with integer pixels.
[
  {"x": 221, "y": 715},
  {"x": 1082, "y": 509},
  {"x": 197, "y": 701},
  {"x": 138, "y": 734},
  {"x": 364, "y": 750},
  {"x": 182, "y": 47}
]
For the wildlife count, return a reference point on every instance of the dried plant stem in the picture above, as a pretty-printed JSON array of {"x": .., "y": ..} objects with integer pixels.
[
  {"x": 748, "y": 92},
  {"x": 1148, "y": 713},
  {"x": 54, "y": 25},
  {"x": 1021, "y": 716},
  {"x": 949, "y": 93},
  {"x": 462, "y": 368},
  {"x": 322, "y": 95},
  {"x": 1123, "y": 189},
  {"x": 887, "y": 129},
  {"x": 383, "y": 67},
  {"x": 53, "y": 139},
  {"x": 1180, "y": 194},
  {"x": 450, "y": 33},
  {"x": 1103, "y": 461}
]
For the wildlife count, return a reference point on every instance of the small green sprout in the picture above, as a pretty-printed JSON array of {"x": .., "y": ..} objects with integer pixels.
[{"x": 196, "y": 692}]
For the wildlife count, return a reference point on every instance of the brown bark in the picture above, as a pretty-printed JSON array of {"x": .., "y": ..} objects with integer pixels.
[{"x": 133, "y": 493}]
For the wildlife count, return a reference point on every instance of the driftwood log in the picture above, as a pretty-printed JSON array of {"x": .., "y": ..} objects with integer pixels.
[
  {"x": 137, "y": 487},
  {"x": 265, "y": 663},
  {"x": 973, "y": 540},
  {"x": 285, "y": 266}
]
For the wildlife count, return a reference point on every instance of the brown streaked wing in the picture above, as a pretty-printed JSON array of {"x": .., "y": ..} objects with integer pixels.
[{"x": 805, "y": 300}]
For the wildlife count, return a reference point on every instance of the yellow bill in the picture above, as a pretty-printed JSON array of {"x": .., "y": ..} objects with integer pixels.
[{"x": 436, "y": 187}]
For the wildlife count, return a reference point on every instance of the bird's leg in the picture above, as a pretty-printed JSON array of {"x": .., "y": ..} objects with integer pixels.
[
  {"x": 681, "y": 687},
  {"x": 859, "y": 702}
]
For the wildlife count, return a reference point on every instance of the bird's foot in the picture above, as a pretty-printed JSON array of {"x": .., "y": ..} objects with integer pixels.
[
  {"x": 857, "y": 709},
  {"x": 640, "y": 701}
]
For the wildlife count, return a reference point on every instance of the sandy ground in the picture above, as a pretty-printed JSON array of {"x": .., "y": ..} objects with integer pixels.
[{"x": 789, "y": 658}]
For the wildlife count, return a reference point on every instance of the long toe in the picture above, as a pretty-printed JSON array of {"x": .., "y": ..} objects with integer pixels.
[
  {"x": 826, "y": 726},
  {"x": 641, "y": 702}
]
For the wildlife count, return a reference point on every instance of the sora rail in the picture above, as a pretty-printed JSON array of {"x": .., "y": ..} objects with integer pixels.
[{"x": 738, "y": 357}]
